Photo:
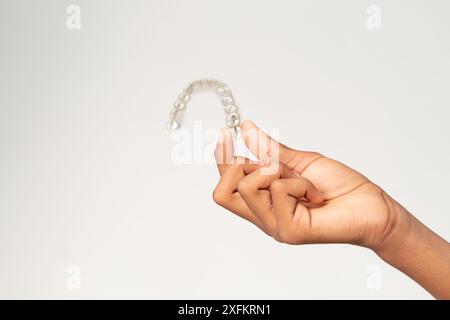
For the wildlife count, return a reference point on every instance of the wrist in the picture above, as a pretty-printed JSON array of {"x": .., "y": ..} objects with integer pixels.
[
  {"x": 398, "y": 229},
  {"x": 417, "y": 251}
]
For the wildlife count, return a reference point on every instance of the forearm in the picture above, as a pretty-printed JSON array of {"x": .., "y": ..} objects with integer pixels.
[{"x": 419, "y": 253}]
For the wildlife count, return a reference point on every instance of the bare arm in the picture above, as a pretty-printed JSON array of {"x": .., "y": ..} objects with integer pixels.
[{"x": 419, "y": 253}]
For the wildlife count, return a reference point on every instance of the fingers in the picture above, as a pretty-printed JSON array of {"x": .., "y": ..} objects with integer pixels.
[
  {"x": 224, "y": 150},
  {"x": 271, "y": 202},
  {"x": 226, "y": 194},
  {"x": 270, "y": 199},
  {"x": 254, "y": 190},
  {"x": 232, "y": 170},
  {"x": 286, "y": 194},
  {"x": 234, "y": 173}
]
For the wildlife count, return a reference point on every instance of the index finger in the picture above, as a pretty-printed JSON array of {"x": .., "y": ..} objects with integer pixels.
[{"x": 224, "y": 152}]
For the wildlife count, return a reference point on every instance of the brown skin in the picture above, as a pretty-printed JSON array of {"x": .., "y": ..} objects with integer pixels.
[{"x": 300, "y": 197}]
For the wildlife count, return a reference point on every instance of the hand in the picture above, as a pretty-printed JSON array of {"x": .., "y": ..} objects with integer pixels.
[
  {"x": 301, "y": 197},
  {"x": 307, "y": 198}
]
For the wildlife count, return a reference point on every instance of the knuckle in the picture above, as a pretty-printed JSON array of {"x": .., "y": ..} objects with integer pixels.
[
  {"x": 286, "y": 236},
  {"x": 219, "y": 197},
  {"x": 244, "y": 187},
  {"x": 270, "y": 229},
  {"x": 278, "y": 186}
]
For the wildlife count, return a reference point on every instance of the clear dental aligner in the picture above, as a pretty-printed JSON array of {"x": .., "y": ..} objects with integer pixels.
[{"x": 232, "y": 117}]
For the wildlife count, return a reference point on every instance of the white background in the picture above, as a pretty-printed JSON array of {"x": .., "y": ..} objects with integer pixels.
[{"x": 86, "y": 175}]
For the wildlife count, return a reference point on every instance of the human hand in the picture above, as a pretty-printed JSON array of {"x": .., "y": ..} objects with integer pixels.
[{"x": 307, "y": 198}]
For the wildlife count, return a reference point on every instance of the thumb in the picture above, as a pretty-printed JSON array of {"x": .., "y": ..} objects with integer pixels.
[
  {"x": 264, "y": 147},
  {"x": 268, "y": 150}
]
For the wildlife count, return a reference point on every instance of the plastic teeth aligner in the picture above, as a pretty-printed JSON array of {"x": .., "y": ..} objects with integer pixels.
[{"x": 232, "y": 117}]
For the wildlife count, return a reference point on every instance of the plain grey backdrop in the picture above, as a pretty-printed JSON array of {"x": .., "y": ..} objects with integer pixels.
[{"x": 86, "y": 175}]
